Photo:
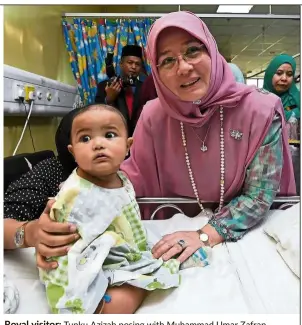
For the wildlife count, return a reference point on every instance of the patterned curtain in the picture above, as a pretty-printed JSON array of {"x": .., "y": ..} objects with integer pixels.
[{"x": 89, "y": 41}]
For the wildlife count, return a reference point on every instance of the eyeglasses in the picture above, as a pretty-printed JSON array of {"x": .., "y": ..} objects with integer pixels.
[{"x": 192, "y": 55}]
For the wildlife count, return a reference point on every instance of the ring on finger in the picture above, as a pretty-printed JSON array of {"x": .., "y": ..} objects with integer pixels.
[{"x": 182, "y": 243}]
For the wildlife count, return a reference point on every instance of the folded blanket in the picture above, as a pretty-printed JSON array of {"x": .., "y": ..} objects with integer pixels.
[{"x": 284, "y": 227}]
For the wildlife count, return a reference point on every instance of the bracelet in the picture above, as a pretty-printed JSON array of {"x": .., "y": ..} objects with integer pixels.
[{"x": 23, "y": 226}]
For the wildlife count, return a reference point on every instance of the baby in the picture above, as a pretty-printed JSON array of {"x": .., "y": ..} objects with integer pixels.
[{"x": 111, "y": 258}]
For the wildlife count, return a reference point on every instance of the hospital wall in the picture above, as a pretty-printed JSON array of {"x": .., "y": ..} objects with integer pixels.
[{"x": 33, "y": 41}]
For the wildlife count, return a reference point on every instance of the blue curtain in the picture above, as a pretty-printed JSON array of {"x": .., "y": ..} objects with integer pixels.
[{"x": 88, "y": 42}]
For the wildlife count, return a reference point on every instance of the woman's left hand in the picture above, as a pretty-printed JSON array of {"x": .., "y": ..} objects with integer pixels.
[{"x": 169, "y": 245}]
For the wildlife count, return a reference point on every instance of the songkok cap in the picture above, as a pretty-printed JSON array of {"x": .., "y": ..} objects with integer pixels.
[{"x": 132, "y": 50}]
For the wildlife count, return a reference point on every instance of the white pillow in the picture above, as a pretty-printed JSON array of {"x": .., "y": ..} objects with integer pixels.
[{"x": 284, "y": 227}]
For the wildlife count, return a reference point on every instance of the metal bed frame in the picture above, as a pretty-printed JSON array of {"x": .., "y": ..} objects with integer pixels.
[{"x": 280, "y": 202}]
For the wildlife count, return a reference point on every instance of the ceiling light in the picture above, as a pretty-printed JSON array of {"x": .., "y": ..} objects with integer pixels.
[{"x": 240, "y": 9}]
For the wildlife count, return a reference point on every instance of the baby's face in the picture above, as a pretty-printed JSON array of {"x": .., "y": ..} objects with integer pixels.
[{"x": 99, "y": 142}]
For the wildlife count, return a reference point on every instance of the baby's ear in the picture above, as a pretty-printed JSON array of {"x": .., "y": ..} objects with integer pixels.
[
  {"x": 129, "y": 144},
  {"x": 70, "y": 149}
]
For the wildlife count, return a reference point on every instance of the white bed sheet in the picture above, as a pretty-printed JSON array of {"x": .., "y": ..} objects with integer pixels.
[{"x": 248, "y": 276}]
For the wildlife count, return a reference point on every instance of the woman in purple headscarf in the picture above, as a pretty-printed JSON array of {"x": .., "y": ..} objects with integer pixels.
[{"x": 204, "y": 137}]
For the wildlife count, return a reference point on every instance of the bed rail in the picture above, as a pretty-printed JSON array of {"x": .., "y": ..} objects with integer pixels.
[{"x": 280, "y": 202}]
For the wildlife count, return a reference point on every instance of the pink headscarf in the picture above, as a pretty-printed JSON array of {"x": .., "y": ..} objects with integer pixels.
[
  {"x": 223, "y": 89},
  {"x": 157, "y": 165}
]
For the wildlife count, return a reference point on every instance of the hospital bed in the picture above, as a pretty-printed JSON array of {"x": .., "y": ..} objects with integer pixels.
[{"x": 248, "y": 276}]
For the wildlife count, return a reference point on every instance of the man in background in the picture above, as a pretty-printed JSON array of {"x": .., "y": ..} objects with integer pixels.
[{"x": 123, "y": 92}]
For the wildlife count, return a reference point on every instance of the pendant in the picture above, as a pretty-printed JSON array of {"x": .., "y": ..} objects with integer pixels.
[{"x": 203, "y": 148}]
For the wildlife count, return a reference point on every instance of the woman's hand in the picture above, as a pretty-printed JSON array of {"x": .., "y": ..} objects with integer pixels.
[
  {"x": 168, "y": 246},
  {"x": 52, "y": 238}
]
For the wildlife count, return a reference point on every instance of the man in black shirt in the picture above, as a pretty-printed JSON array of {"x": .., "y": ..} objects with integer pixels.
[{"x": 123, "y": 91}]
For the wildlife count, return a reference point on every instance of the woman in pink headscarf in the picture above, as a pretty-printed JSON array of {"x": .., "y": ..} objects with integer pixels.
[{"x": 206, "y": 137}]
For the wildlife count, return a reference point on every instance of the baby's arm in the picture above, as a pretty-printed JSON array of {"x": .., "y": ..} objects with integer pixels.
[{"x": 125, "y": 299}]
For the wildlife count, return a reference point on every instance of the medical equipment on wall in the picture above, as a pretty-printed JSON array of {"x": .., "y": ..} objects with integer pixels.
[
  {"x": 51, "y": 97},
  {"x": 43, "y": 96}
]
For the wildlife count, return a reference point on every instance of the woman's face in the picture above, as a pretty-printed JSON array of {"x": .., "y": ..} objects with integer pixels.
[
  {"x": 283, "y": 78},
  {"x": 189, "y": 80}
]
